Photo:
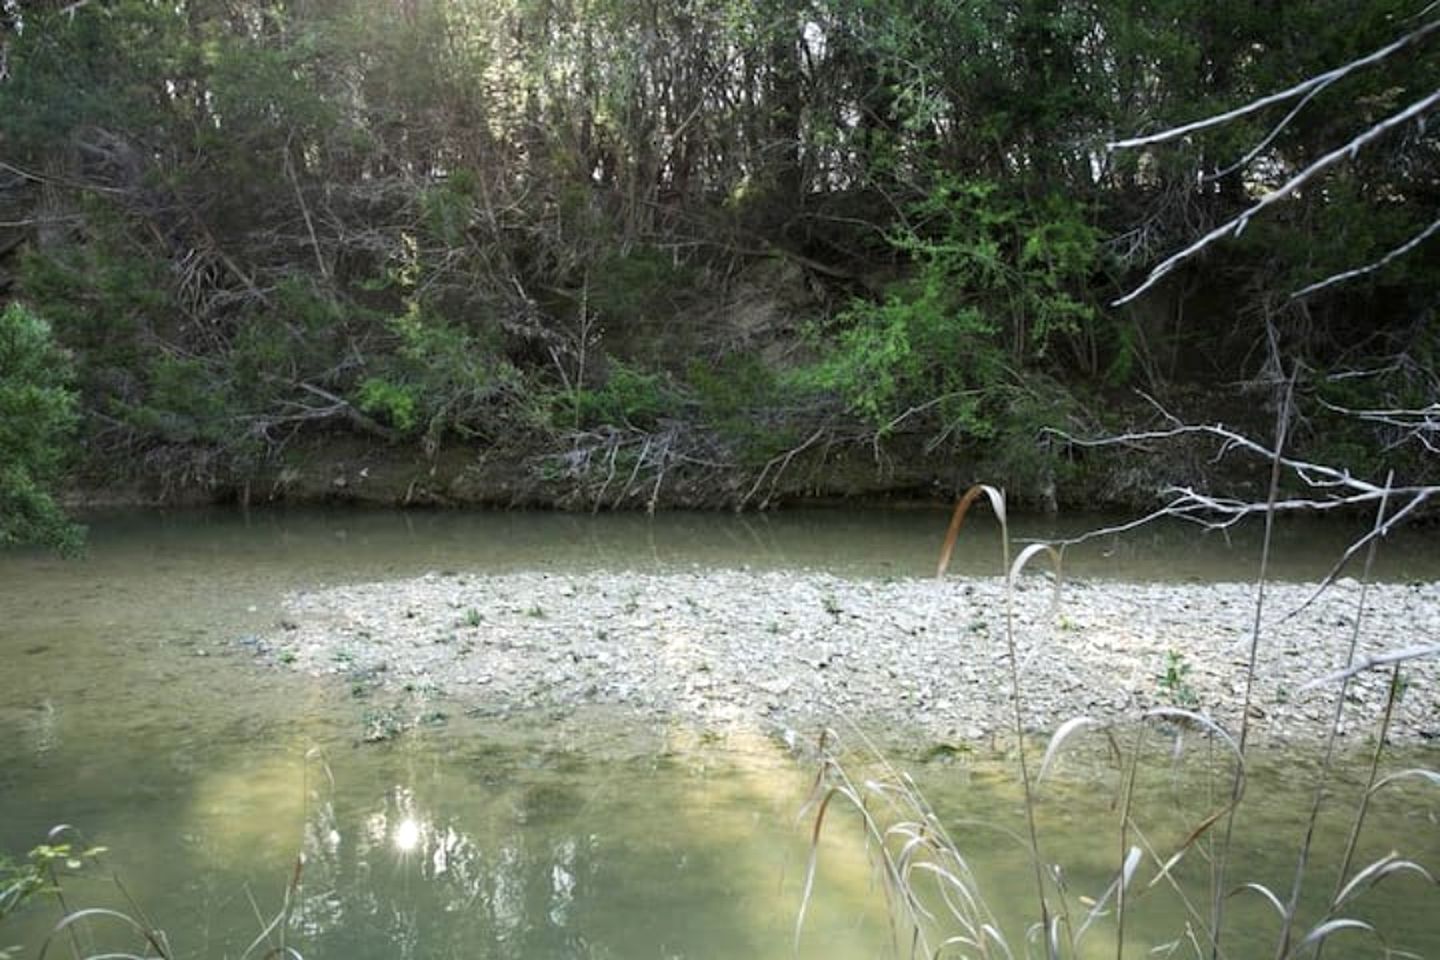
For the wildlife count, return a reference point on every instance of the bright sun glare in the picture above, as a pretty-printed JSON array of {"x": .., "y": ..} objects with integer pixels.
[{"x": 407, "y": 835}]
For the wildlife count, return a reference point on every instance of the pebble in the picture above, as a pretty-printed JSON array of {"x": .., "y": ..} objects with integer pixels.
[{"x": 927, "y": 656}]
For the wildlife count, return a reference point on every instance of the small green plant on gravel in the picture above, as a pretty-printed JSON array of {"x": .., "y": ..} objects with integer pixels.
[
  {"x": 473, "y": 618},
  {"x": 1174, "y": 684},
  {"x": 536, "y": 611}
]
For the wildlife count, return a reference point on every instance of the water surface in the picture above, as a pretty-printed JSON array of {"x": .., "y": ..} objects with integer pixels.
[{"x": 128, "y": 709}]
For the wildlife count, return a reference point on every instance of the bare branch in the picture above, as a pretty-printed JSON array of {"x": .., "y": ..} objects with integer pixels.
[
  {"x": 783, "y": 461},
  {"x": 1313, "y": 474},
  {"x": 1341, "y": 489},
  {"x": 1279, "y": 128},
  {"x": 1420, "y": 496},
  {"x": 1399, "y": 251},
  {"x": 1236, "y": 225},
  {"x": 305, "y": 212},
  {"x": 1421, "y": 424},
  {"x": 1370, "y": 663},
  {"x": 1304, "y": 87}
]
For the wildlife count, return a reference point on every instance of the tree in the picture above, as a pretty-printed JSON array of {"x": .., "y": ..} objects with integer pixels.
[{"x": 37, "y": 416}]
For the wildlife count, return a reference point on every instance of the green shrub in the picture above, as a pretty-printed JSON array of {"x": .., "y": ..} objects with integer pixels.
[
  {"x": 396, "y": 404},
  {"x": 37, "y": 417},
  {"x": 184, "y": 403},
  {"x": 441, "y": 378},
  {"x": 628, "y": 397},
  {"x": 993, "y": 288}
]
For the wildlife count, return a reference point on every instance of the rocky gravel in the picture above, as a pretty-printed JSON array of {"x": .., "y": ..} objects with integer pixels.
[{"x": 798, "y": 649}]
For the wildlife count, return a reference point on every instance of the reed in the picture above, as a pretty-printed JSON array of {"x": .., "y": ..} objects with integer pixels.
[{"x": 939, "y": 909}]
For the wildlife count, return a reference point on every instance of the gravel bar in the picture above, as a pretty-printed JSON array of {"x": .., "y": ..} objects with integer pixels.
[{"x": 800, "y": 649}]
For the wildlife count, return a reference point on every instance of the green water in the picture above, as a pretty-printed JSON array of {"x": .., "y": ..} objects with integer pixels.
[{"x": 126, "y": 710}]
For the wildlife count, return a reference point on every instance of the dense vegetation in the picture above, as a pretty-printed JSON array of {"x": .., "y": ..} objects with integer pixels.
[
  {"x": 649, "y": 250},
  {"x": 37, "y": 411}
]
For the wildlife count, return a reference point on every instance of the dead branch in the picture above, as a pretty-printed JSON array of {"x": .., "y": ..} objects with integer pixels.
[
  {"x": 1370, "y": 663},
  {"x": 305, "y": 212},
  {"x": 1337, "y": 488},
  {"x": 1316, "y": 475},
  {"x": 1395, "y": 254},
  {"x": 1304, "y": 87},
  {"x": 337, "y": 406},
  {"x": 1269, "y": 138},
  {"x": 782, "y": 461},
  {"x": 1421, "y": 425},
  {"x": 1237, "y": 224}
]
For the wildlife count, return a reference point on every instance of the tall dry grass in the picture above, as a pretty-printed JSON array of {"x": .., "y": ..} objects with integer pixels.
[{"x": 938, "y": 907}]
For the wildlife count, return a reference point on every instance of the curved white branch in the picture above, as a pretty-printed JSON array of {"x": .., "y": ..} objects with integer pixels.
[
  {"x": 1319, "y": 80},
  {"x": 1399, "y": 251},
  {"x": 1237, "y": 224},
  {"x": 1270, "y": 137},
  {"x": 1370, "y": 663}
]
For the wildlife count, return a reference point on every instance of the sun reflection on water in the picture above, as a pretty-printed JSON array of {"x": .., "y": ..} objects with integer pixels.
[{"x": 407, "y": 835}]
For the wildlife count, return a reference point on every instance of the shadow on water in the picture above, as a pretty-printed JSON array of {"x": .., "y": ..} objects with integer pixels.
[{"x": 127, "y": 708}]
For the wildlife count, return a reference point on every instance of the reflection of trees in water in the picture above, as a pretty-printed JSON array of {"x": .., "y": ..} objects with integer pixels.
[{"x": 401, "y": 880}]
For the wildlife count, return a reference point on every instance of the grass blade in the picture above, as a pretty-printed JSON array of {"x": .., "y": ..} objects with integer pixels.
[
  {"x": 1329, "y": 928},
  {"x": 1057, "y": 740},
  {"x": 1377, "y": 871},
  {"x": 957, "y": 517},
  {"x": 1414, "y": 773},
  {"x": 1266, "y": 893}
]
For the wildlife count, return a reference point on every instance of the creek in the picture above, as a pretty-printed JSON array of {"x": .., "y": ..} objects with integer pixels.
[{"x": 131, "y": 709}]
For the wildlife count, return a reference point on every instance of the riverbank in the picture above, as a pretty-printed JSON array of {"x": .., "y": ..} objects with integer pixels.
[{"x": 802, "y": 650}]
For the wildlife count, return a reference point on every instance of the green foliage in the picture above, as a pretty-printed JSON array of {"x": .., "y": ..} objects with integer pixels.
[
  {"x": 446, "y": 208},
  {"x": 396, "y": 404},
  {"x": 19, "y": 881},
  {"x": 100, "y": 298},
  {"x": 747, "y": 401},
  {"x": 441, "y": 377},
  {"x": 628, "y": 289},
  {"x": 915, "y": 347},
  {"x": 1023, "y": 263},
  {"x": 185, "y": 402},
  {"x": 82, "y": 69},
  {"x": 1174, "y": 683},
  {"x": 627, "y": 397},
  {"x": 39, "y": 873},
  {"x": 225, "y": 208},
  {"x": 994, "y": 287},
  {"x": 37, "y": 416}
]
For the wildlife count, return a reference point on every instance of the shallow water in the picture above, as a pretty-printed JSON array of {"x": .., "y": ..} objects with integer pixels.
[{"x": 127, "y": 710}]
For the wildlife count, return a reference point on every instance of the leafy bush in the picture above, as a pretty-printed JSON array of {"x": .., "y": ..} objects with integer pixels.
[
  {"x": 628, "y": 397},
  {"x": 394, "y": 403},
  {"x": 37, "y": 416},
  {"x": 185, "y": 403},
  {"x": 441, "y": 377},
  {"x": 993, "y": 290}
]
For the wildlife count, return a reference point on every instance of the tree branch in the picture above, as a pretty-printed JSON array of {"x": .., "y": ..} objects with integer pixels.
[
  {"x": 1306, "y": 86},
  {"x": 1236, "y": 225},
  {"x": 1399, "y": 251}
]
